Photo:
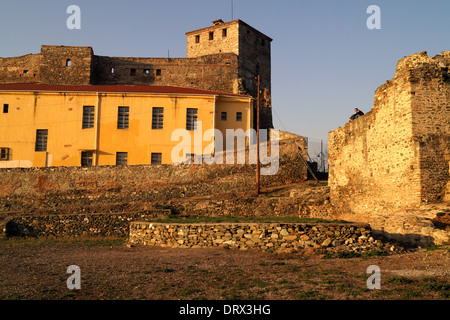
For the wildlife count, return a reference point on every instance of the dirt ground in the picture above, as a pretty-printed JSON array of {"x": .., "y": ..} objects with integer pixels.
[{"x": 114, "y": 271}]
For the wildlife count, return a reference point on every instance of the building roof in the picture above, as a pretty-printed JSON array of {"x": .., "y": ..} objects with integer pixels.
[{"x": 35, "y": 87}]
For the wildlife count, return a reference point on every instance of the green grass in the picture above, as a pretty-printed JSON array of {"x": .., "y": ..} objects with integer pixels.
[
  {"x": 309, "y": 295},
  {"x": 62, "y": 242},
  {"x": 351, "y": 254},
  {"x": 320, "y": 184},
  {"x": 343, "y": 255},
  {"x": 436, "y": 287},
  {"x": 399, "y": 280},
  {"x": 438, "y": 247},
  {"x": 433, "y": 285},
  {"x": 227, "y": 219}
]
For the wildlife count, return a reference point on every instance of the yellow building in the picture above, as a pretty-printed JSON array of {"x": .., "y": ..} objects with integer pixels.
[{"x": 61, "y": 125}]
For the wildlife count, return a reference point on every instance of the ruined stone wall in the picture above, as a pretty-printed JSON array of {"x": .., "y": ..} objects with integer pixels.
[
  {"x": 430, "y": 90},
  {"x": 373, "y": 159},
  {"x": 53, "y": 65},
  {"x": 24, "y": 69},
  {"x": 66, "y": 65},
  {"x": 215, "y": 72},
  {"x": 75, "y": 189},
  {"x": 397, "y": 155}
]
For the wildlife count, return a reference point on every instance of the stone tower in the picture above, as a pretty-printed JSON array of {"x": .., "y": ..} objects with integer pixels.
[{"x": 253, "y": 50}]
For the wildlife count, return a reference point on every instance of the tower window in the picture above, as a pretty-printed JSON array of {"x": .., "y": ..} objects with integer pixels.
[
  {"x": 68, "y": 63},
  {"x": 132, "y": 72},
  {"x": 211, "y": 35},
  {"x": 223, "y": 116},
  {"x": 158, "y": 72},
  {"x": 146, "y": 71},
  {"x": 5, "y": 108},
  {"x": 112, "y": 70},
  {"x": 224, "y": 33},
  {"x": 238, "y": 116},
  {"x": 197, "y": 39}
]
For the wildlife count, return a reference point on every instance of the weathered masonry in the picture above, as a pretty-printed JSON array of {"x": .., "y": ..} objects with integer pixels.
[
  {"x": 225, "y": 57},
  {"x": 398, "y": 154}
]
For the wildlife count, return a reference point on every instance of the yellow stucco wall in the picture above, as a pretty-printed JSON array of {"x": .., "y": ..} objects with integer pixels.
[{"x": 62, "y": 114}]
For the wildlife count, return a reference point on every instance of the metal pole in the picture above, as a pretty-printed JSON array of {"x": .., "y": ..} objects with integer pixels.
[{"x": 258, "y": 169}]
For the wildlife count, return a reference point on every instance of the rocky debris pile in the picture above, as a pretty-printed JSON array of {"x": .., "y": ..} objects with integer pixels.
[{"x": 365, "y": 246}]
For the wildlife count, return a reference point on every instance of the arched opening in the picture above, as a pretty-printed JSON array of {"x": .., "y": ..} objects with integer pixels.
[{"x": 68, "y": 63}]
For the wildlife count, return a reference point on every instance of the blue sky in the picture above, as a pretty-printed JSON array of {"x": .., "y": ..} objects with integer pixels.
[{"x": 325, "y": 61}]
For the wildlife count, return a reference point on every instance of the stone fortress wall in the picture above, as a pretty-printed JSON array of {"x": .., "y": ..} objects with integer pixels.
[{"x": 396, "y": 157}]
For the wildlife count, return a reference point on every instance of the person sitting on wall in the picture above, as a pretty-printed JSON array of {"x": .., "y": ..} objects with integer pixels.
[{"x": 358, "y": 113}]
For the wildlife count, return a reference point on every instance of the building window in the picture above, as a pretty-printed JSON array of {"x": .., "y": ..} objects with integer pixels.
[
  {"x": 112, "y": 70},
  {"x": 238, "y": 116},
  {"x": 158, "y": 72},
  {"x": 158, "y": 118},
  {"x": 86, "y": 158},
  {"x": 156, "y": 158},
  {"x": 88, "y": 117},
  {"x": 68, "y": 63},
  {"x": 211, "y": 35},
  {"x": 147, "y": 71},
  {"x": 197, "y": 39},
  {"x": 223, "y": 116},
  {"x": 121, "y": 158},
  {"x": 41, "y": 140},
  {"x": 5, "y": 108},
  {"x": 191, "y": 119},
  {"x": 132, "y": 72},
  {"x": 224, "y": 33},
  {"x": 25, "y": 71},
  {"x": 123, "y": 117},
  {"x": 4, "y": 154}
]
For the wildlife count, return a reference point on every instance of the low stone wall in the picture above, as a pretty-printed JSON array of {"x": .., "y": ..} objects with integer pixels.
[
  {"x": 74, "y": 225},
  {"x": 265, "y": 236}
]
